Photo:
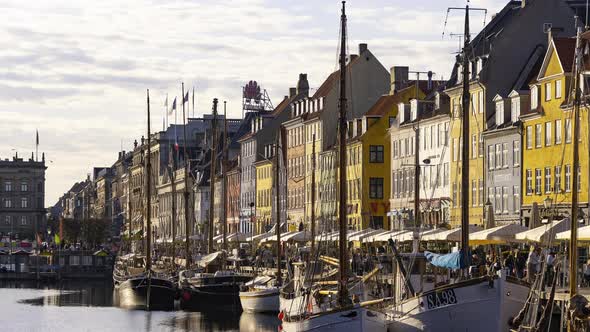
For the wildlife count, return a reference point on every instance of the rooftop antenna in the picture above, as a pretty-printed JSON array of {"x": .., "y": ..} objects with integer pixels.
[{"x": 449, "y": 9}]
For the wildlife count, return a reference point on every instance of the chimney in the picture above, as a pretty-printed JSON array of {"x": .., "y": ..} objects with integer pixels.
[
  {"x": 362, "y": 48},
  {"x": 303, "y": 85},
  {"x": 399, "y": 78},
  {"x": 292, "y": 92},
  {"x": 135, "y": 144}
]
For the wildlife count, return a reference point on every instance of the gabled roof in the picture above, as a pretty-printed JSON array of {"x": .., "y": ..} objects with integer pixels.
[
  {"x": 332, "y": 79},
  {"x": 384, "y": 104},
  {"x": 564, "y": 49}
]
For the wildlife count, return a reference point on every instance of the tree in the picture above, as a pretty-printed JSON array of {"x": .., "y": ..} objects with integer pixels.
[
  {"x": 94, "y": 231},
  {"x": 71, "y": 230}
]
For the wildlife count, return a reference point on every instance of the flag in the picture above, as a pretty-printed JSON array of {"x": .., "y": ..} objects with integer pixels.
[
  {"x": 56, "y": 239},
  {"x": 38, "y": 236},
  {"x": 173, "y": 106},
  {"x": 185, "y": 99}
]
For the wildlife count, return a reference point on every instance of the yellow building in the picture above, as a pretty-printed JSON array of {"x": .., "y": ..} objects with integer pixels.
[
  {"x": 477, "y": 125},
  {"x": 264, "y": 197},
  {"x": 369, "y": 163},
  {"x": 548, "y": 135}
]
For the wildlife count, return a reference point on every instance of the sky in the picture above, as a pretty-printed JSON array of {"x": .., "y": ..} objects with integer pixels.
[{"x": 77, "y": 71}]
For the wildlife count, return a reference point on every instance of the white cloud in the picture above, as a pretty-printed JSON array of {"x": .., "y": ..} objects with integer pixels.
[{"x": 78, "y": 70}]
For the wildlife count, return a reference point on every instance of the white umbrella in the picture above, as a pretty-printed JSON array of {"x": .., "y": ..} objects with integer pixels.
[
  {"x": 388, "y": 235},
  {"x": 499, "y": 234},
  {"x": 451, "y": 235},
  {"x": 544, "y": 233},
  {"x": 260, "y": 237},
  {"x": 302, "y": 236},
  {"x": 274, "y": 238},
  {"x": 234, "y": 237},
  {"x": 325, "y": 236},
  {"x": 365, "y": 233},
  {"x": 409, "y": 235},
  {"x": 583, "y": 234},
  {"x": 217, "y": 237}
]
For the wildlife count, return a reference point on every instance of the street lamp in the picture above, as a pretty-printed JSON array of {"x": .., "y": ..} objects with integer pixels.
[{"x": 547, "y": 202}]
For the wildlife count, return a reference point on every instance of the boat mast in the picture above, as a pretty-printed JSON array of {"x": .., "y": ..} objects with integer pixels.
[
  {"x": 148, "y": 246},
  {"x": 343, "y": 266},
  {"x": 465, "y": 139},
  {"x": 417, "y": 216},
  {"x": 224, "y": 206},
  {"x": 171, "y": 170},
  {"x": 278, "y": 208},
  {"x": 573, "y": 247},
  {"x": 187, "y": 221},
  {"x": 312, "y": 197},
  {"x": 212, "y": 178}
]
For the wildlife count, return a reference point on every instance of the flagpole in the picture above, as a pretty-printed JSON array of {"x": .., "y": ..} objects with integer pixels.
[
  {"x": 186, "y": 193},
  {"x": 37, "y": 146},
  {"x": 166, "y": 105},
  {"x": 193, "y": 101}
]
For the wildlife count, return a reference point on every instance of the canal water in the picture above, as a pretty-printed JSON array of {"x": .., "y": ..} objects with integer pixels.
[{"x": 88, "y": 306}]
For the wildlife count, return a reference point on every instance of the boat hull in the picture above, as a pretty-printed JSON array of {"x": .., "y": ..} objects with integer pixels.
[
  {"x": 354, "y": 319},
  {"x": 210, "y": 297},
  {"x": 259, "y": 301},
  {"x": 133, "y": 294},
  {"x": 474, "y": 305}
]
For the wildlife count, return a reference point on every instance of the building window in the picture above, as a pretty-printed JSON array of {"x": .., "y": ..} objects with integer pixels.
[
  {"x": 24, "y": 186},
  {"x": 376, "y": 153},
  {"x": 473, "y": 192},
  {"x": 548, "y": 91},
  {"x": 505, "y": 154},
  {"x": 473, "y": 146},
  {"x": 538, "y": 135},
  {"x": 547, "y": 179},
  {"x": 568, "y": 130},
  {"x": 499, "y": 112},
  {"x": 23, "y": 221},
  {"x": 534, "y": 97},
  {"x": 498, "y": 200},
  {"x": 557, "y": 131},
  {"x": 446, "y": 174},
  {"x": 568, "y": 178},
  {"x": 480, "y": 145},
  {"x": 557, "y": 89},
  {"x": 538, "y": 181},
  {"x": 455, "y": 203},
  {"x": 480, "y": 192},
  {"x": 491, "y": 158},
  {"x": 516, "y": 199},
  {"x": 498, "y": 156},
  {"x": 516, "y": 153},
  {"x": 515, "y": 109},
  {"x": 7, "y": 203},
  {"x": 8, "y": 220},
  {"x": 548, "y": 133},
  {"x": 455, "y": 149},
  {"x": 7, "y": 186},
  {"x": 557, "y": 180},
  {"x": 481, "y": 101},
  {"x": 24, "y": 202},
  {"x": 529, "y": 182},
  {"x": 505, "y": 199},
  {"x": 529, "y": 137},
  {"x": 375, "y": 188}
]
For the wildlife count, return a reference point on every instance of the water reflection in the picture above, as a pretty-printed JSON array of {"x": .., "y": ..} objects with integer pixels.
[{"x": 24, "y": 304}]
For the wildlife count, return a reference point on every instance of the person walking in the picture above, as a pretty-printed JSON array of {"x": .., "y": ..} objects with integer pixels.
[{"x": 533, "y": 264}]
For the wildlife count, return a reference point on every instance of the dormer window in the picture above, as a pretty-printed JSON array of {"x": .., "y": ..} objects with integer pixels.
[
  {"x": 515, "y": 109},
  {"x": 413, "y": 109},
  {"x": 401, "y": 112},
  {"x": 459, "y": 74},
  {"x": 437, "y": 101},
  {"x": 499, "y": 110},
  {"x": 534, "y": 97}
]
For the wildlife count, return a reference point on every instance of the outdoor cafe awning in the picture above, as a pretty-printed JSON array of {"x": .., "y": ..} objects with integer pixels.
[
  {"x": 409, "y": 235},
  {"x": 234, "y": 237},
  {"x": 274, "y": 238},
  {"x": 583, "y": 234},
  {"x": 326, "y": 236},
  {"x": 496, "y": 235},
  {"x": 302, "y": 236},
  {"x": 544, "y": 233},
  {"x": 451, "y": 235},
  {"x": 260, "y": 237},
  {"x": 365, "y": 233},
  {"x": 384, "y": 237}
]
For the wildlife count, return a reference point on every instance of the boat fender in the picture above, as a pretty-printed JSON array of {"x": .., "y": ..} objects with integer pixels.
[{"x": 281, "y": 315}]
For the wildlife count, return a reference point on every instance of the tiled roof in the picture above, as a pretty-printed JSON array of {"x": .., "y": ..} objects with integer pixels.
[
  {"x": 566, "y": 49},
  {"x": 332, "y": 79},
  {"x": 384, "y": 104}
]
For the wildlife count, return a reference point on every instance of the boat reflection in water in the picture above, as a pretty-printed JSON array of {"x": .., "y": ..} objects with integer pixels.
[{"x": 251, "y": 322}]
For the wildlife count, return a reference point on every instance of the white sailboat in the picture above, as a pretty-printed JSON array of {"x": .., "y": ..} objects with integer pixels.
[
  {"x": 477, "y": 304},
  {"x": 333, "y": 309}
]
